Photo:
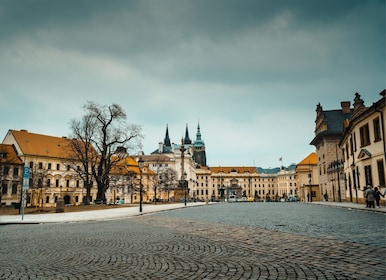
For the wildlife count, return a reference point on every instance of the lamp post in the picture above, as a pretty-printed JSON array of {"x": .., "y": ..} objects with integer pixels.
[
  {"x": 207, "y": 191},
  {"x": 185, "y": 186},
  {"x": 309, "y": 183},
  {"x": 140, "y": 165}
]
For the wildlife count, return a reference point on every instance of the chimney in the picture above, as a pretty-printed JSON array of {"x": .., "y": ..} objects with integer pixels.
[{"x": 345, "y": 107}]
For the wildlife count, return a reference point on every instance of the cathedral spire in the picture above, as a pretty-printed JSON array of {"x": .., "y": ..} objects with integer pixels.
[
  {"x": 167, "y": 139},
  {"x": 187, "y": 139},
  {"x": 198, "y": 134}
]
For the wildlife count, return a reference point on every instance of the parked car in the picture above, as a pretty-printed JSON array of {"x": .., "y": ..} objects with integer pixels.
[
  {"x": 242, "y": 199},
  {"x": 232, "y": 198},
  {"x": 292, "y": 199},
  {"x": 100, "y": 201}
]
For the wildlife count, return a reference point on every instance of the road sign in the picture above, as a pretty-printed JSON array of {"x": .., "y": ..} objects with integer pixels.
[{"x": 26, "y": 173}]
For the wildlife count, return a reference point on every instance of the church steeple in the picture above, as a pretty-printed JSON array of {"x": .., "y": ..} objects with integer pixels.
[
  {"x": 167, "y": 139},
  {"x": 199, "y": 154},
  {"x": 198, "y": 141},
  {"x": 187, "y": 139}
]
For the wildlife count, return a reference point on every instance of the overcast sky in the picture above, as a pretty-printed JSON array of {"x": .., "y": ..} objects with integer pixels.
[{"x": 250, "y": 71}]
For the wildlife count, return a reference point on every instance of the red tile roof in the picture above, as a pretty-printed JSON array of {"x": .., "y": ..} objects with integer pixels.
[
  {"x": 8, "y": 155},
  {"x": 42, "y": 145}
]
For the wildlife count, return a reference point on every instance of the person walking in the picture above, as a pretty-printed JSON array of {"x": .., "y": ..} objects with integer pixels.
[
  {"x": 377, "y": 195},
  {"x": 370, "y": 197}
]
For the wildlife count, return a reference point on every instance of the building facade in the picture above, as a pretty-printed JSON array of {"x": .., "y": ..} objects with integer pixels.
[
  {"x": 328, "y": 132},
  {"x": 50, "y": 177},
  {"x": 287, "y": 182},
  {"x": 11, "y": 176},
  {"x": 308, "y": 179},
  {"x": 364, "y": 149},
  {"x": 232, "y": 180}
]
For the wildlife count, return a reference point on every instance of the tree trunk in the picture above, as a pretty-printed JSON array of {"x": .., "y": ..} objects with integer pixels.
[{"x": 101, "y": 194}]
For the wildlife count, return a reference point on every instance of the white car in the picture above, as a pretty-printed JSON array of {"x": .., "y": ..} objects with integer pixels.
[{"x": 232, "y": 198}]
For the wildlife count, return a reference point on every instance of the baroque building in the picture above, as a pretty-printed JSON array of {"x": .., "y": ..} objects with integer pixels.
[
  {"x": 242, "y": 182},
  {"x": 328, "y": 132},
  {"x": 11, "y": 174},
  {"x": 363, "y": 146},
  {"x": 308, "y": 179},
  {"x": 50, "y": 177}
]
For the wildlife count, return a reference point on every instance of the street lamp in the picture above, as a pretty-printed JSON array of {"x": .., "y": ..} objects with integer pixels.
[
  {"x": 309, "y": 183},
  {"x": 140, "y": 165},
  {"x": 185, "y": 186},
  {"x": 207, "y": 191}
]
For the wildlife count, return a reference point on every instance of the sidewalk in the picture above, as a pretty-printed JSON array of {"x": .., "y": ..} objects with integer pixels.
[
  {"x": 94, "y": 215},
  {"x": 350, "y": 205},
  {"x": 125, "y": 212}
]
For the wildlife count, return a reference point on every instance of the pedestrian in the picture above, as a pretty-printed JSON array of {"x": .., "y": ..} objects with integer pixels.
[
  {"x": 326, "y": 196},
  {"x": 377, "y": 195},
  {"x": 369, "y": 194},
  {"x": 364, "y": 195}
]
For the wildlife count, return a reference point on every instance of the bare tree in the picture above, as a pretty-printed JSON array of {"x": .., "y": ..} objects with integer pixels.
[
  {"x": 98, "y": 135},
  {"x": 83, "y": 151},
  {"x": 37, "y": 175},
  {"x": 168, "y": 180}
]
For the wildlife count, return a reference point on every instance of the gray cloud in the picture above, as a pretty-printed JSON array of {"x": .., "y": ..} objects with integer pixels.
[{"x": 251, "y": 71}]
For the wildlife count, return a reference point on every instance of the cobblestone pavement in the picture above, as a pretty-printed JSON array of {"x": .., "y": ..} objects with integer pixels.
[{"x": 225, "y": 241}]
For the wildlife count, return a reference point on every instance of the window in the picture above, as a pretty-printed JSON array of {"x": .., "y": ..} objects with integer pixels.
[
  {"x": 40, "y": 165},
  {"x": 3, "y": 155},
  {"x": 49, "y": 166},
  {"x": 355, "y": 142},
  {"x": 15, "y": 171},
  {"x": 58, "y": 166},
  {"x": 14, "y": 189},
  {"x": 48, "y": 182},
  {"x": 377, "y": 130},
  {"x": 6, "y": 170},
  {"x": 381, "y": 173},
  {"x": 369, "y": 178},
  {"x": 365, "y": 135},
  {"x": 347, "y": 154},
  {"x": 56, "y": 183},
  {"x": 67, "y": 183},
  {"x": 5, "y": 189},
  {"x": 31, "y": 164}
]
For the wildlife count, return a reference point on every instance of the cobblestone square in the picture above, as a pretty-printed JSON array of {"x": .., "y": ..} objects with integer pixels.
[{"x": 224, "y": 241}]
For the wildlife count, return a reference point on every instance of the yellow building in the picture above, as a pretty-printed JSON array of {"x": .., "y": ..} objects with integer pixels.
[
  {"x": 232, "y": 180},
  {"x": 308, "y": 178},
  {"x": 50, "y": 176}
]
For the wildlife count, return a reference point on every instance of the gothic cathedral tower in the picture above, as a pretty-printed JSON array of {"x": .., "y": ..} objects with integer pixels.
[{"x": 199, "y": 155}]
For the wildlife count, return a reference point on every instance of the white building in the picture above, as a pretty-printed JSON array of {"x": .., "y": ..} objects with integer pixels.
[{"x": 364, "y": 148}]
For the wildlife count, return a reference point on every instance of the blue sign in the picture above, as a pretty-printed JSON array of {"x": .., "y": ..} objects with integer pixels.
[{"x": 26, "y": 173}]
